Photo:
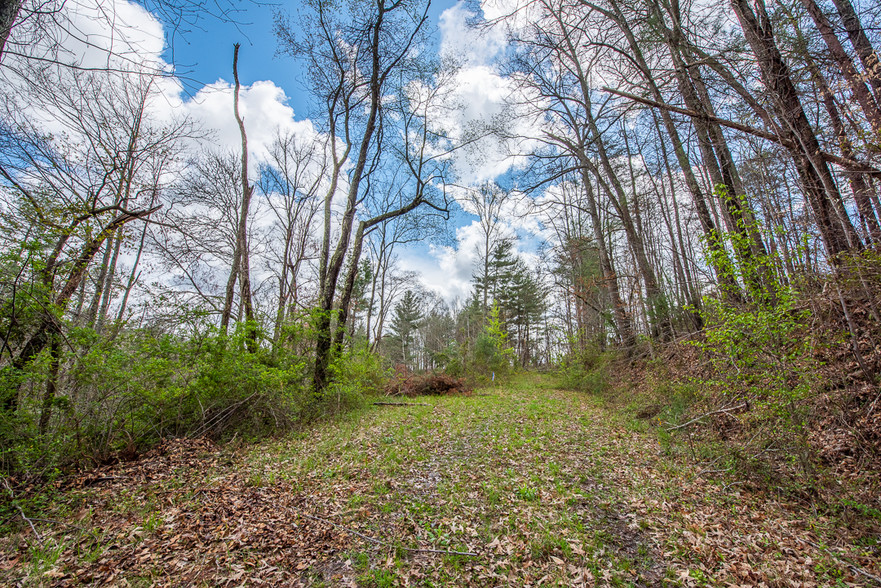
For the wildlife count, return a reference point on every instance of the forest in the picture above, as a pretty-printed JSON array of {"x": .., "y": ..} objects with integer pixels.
[{"x": 530, "y": 292}]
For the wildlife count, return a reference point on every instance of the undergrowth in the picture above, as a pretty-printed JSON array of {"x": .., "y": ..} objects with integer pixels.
[{"x": 778, "y": 400}]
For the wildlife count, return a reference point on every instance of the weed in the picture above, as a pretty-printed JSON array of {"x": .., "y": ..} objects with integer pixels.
[
  {"x": 526, "y": 493},
  {"x": 377, "y": 579}
]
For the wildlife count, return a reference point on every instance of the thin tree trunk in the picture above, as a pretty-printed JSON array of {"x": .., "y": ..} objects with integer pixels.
[
  {"x": 610, "y": 279},
  {"x": 51, "y": 384},
  {"x": 100, "y": 284},
  {"x": 48, "y": 324},
  {"x": 242, "y": 233},
  {"x": 108, "y": 283}
]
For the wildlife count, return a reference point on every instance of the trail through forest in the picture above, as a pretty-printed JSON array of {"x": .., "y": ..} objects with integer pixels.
[{"x": 522, "y": 485}]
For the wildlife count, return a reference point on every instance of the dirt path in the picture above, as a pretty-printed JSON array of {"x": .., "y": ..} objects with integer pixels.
[{"x": 537, "y": 486}]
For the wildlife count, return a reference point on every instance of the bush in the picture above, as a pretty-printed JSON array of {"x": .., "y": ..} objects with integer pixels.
[
  {"x": 354, "y": 375},
  {"x": 117, "y": 395},
  {"x": 585, "y": 370},
  {"x": 409, "y": 384}
]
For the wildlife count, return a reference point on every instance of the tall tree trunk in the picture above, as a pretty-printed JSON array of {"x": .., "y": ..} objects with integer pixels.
[
  {"x": 8, "y": 14},
  {"x": 658, "y": 311},
  {"x": 348, "y": 289},
  {"x": 865, "y": 51},
  {"x": 854, "y": 79},
  {"x": 283, "y": 296},
  {"x": 859, "y": 184},
  {"x": 51, "y": 384},
  {"x": 242, "y": 233},
  {"x": 622, "y": 322},
  {"x": 838, "y": 233},
  {"x": 747, "y": 242},
  {"x": 718, "y": 256}
]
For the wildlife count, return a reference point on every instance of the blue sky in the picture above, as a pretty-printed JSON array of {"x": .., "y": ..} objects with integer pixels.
[
  {"x": 274, "y": 99},
  {"x": 203, "y": 54}
]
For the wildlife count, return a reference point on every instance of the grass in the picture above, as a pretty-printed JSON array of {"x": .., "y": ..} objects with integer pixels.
[
  {"x": 465, "y": 471},
  {"x": 543, "y": 484}
]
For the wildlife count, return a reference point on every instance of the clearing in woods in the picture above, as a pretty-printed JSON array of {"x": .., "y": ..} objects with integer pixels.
[{"x": 522, "y": 485}]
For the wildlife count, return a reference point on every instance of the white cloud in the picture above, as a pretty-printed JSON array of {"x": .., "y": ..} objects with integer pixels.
[
  {"x": 483, "y": 101},
  {"x": 113, "y": 34},
  {"x": 465, "y": 44},
  {"x": 122, "y": 36},
  {"x": 264, "y": 110}
]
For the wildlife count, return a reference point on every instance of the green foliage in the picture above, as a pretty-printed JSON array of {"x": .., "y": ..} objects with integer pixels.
[
  {"x": 762, "y": 349},
  {"x": 586, "y": 370},
  {"x": 355, "y": 375},
  {"x": 450, "y": 360},
  {"x": 123, "y": 393},
  {"x": 492, "y": 351}
]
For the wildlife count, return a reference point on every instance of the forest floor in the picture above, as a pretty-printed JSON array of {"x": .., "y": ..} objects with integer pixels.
[{"x": 523, "y": 485}]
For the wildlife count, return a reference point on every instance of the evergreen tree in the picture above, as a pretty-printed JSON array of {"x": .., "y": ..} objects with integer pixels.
[
  {"x": 401, "y": 344},
  {"x": 495, "y": 284},
  {"x": 518, "y": 294}
]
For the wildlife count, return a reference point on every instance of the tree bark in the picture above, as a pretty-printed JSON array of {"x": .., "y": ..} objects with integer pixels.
[
  {"x": 242, "y": 233},
  {"x": 838, "y": 233},
  {"x": 865, "y": 51},
  {"x": 8, "y": 14},
  {"x": 854, "y": 79},
  {"x": 718, "y": 255}
]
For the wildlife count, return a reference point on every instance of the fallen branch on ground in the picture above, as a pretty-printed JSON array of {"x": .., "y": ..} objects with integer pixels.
[
  {"x": 400, "y": 404},
  {"x": 21, "y": 512},
  {"x": 711, "y": 413}
]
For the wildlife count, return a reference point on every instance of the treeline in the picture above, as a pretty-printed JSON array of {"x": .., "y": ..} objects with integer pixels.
[
  {"x": 698, "y": 172},
  {"x": 726, "y": 150}
]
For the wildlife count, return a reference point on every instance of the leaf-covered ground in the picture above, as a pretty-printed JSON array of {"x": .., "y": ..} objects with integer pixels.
[{"x": 525, "y": 485}]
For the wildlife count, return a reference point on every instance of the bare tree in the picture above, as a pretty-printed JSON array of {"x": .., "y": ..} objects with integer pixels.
[{"x": 290, "y": 183}]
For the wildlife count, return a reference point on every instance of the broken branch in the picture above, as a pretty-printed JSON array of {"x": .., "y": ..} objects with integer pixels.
[{"x": 711, "y": 413}]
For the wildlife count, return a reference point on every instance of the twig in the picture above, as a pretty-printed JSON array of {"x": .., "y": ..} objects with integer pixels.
[
  {"x": 78, "y": 528},
  {"x": 703, "y": 416},
  {"x": 21, "y": 512},
  {"x": 709, "y": 471},
  {"x": 853, "y": 567},
  {"x": 381, "y": 542},
  {"x": 98, "y": 480},
  {"x": 399, "y": 404}
]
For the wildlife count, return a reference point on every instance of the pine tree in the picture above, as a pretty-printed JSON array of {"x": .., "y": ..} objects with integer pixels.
[{"x": 400, "y": 345}]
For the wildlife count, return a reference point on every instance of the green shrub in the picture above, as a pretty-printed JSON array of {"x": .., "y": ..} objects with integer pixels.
[
  {"x": 121, "y": 394},
  {"x": 355, "y": 375},
  {"x": 493, "y": 354}
]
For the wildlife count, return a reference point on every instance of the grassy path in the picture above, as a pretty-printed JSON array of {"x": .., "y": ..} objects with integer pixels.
[{"x": 543, "y": 486}]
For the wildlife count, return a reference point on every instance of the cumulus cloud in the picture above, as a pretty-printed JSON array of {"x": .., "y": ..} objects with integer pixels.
[
  {"x": 487, "y": 112},
  {"x": 448, "y": 270},
  {"x": 124, "y": 39},
  {"x": 465, "y": 44},
  {"x": 264, "y": 109}
]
